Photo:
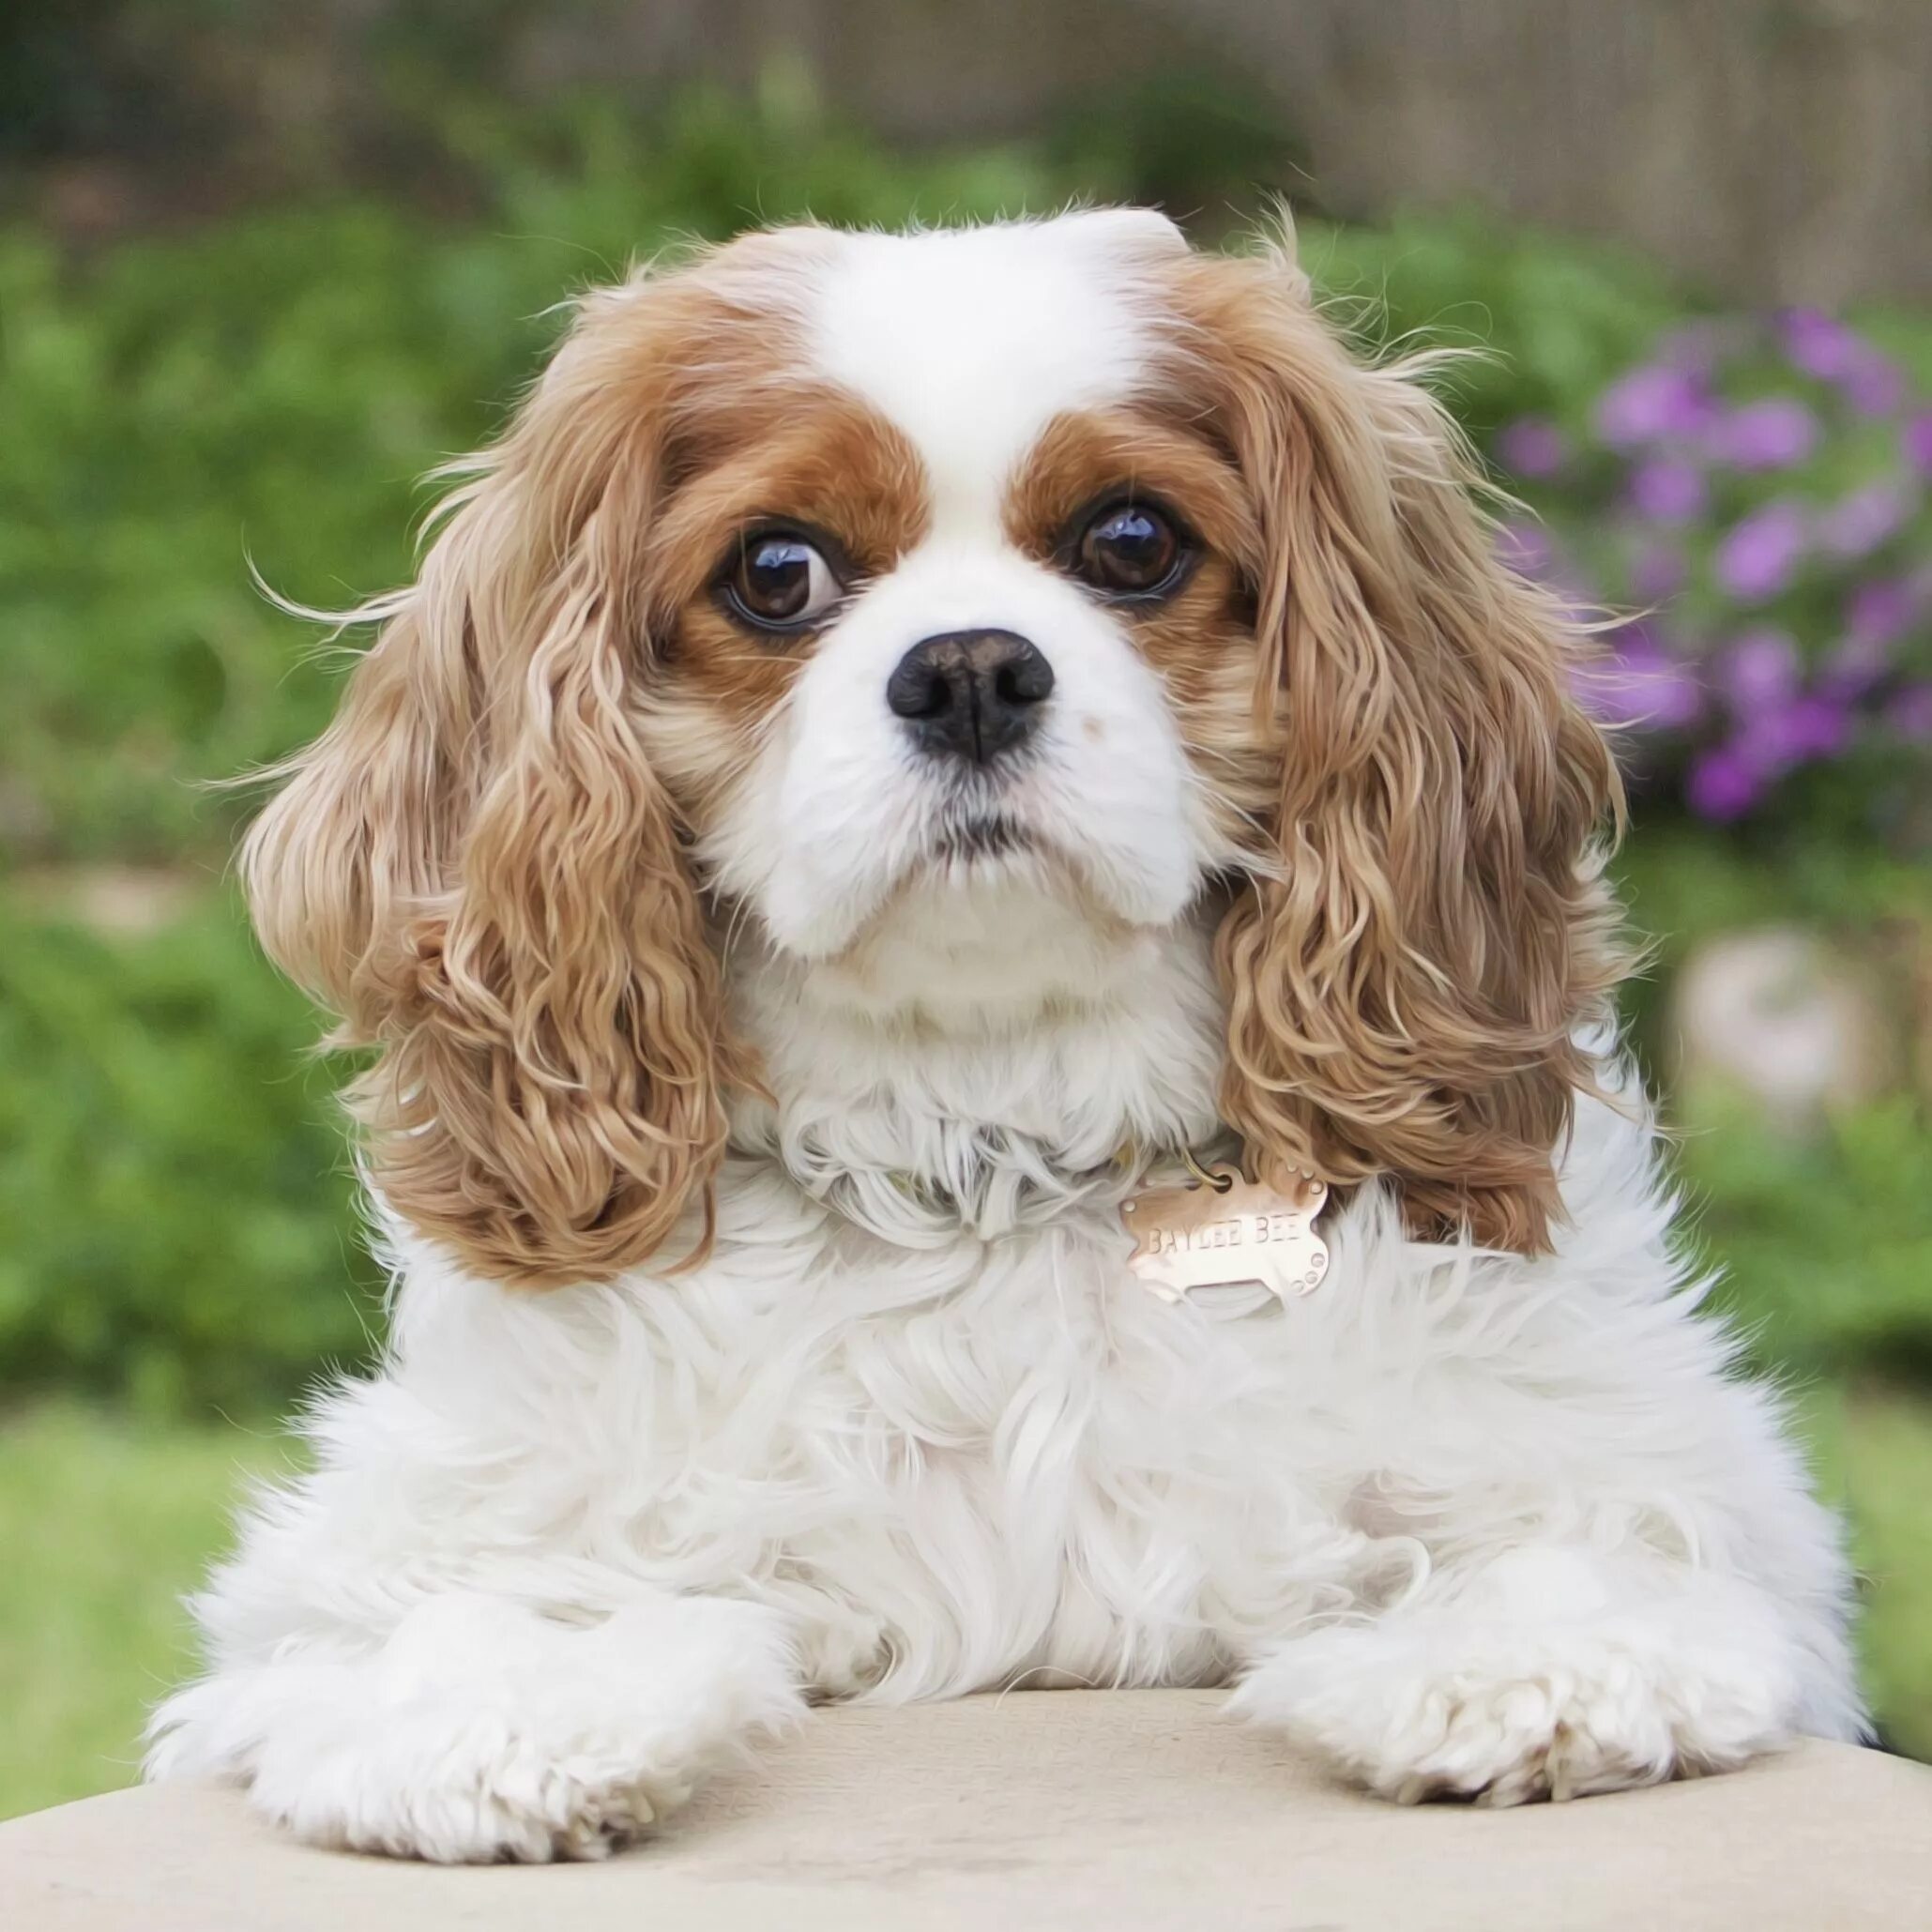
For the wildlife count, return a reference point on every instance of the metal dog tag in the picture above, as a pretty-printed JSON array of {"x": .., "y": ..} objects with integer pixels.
[{"x": 1224, "y": 1232}]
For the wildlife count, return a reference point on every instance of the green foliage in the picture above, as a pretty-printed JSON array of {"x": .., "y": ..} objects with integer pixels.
[
  {"x": 1871, "y": 1446},
  {"x": 1543, "y": 320},
  {"x": 175, "y": 406},
  {"x": 1826, "y": 1241},
  {"x": 1827, "y": 1245},
  {"x": 175, "y": 1212}
]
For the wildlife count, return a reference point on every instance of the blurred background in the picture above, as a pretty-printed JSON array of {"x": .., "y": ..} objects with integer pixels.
[{"x": 261, "y": 266}]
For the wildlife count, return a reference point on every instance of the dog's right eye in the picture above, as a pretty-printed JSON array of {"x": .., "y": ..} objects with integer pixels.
[
  {"x": 1132, "y": 552},
  {"x": 779, "y": 580}
]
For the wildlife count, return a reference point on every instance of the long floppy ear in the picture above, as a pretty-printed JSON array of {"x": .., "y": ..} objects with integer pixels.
[
  {"x": 1408, "y": 977},
  {"x": 475, "y": 869}
]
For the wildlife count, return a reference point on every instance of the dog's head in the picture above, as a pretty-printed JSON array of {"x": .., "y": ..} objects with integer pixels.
[{"x": 828, "y": 580}]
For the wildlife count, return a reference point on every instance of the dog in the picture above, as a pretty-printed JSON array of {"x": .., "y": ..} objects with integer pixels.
[{"x": 910, "y": 752}]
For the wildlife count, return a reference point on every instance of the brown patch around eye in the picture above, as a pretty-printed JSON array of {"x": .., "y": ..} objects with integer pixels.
[
  {"x": 1087, "y": 462},
  {"x": 1200, "y": 637},
  {"x": 1084, "y": 460},
  {"x": 810, "y": 459}
]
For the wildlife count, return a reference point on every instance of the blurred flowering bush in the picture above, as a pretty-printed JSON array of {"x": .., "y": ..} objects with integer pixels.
[{"x": 1756, "y": 493}]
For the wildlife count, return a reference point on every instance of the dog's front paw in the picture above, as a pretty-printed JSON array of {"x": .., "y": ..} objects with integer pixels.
[
  {"x": 1467, "y": 1700},
  {"x": 483, "y": 1732}
]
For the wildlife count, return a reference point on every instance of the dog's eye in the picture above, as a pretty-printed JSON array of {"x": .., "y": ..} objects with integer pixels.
[
  {"x": 780, "y": 581},
  {"x": 1130, "y": 550}
]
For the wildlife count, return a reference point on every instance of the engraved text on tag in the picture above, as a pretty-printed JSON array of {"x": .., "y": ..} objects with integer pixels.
[{"x": 1231, "y": 1232}]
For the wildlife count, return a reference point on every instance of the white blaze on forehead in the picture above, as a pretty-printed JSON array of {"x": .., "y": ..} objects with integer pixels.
[{"x": 971, "y": 340}]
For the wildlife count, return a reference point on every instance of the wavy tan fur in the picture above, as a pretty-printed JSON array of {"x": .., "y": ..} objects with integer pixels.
[
  {"x": 1408, "y": 977},
  {"x": 475, "y": 866}
]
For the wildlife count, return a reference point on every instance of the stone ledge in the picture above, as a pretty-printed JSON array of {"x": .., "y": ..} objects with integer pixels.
[{"x": 1045, "y": 1809}]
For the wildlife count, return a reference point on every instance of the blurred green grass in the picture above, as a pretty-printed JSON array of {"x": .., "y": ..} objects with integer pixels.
[
  {"x": 1872, "y": 1446},
  {"x": 176, "y": 1229},
  {"x": 105, "y": 1522}
]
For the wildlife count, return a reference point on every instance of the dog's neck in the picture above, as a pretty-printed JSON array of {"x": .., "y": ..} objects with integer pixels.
[{"x": 986, "y": 1058}]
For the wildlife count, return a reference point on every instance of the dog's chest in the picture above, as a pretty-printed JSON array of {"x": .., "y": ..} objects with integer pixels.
[{"x": 989, "y": 1458}]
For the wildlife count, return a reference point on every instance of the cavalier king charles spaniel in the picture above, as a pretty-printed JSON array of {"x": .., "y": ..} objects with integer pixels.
[{"x": 910, "y": 750}]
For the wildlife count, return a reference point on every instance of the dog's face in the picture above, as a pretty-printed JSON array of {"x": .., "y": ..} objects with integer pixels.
[
  {"x": 834, "y": 584},
  {"x": 963, "y": 613}
]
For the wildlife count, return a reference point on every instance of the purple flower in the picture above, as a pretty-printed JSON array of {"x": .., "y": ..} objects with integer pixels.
[
  {"x": 1727, "y": 781},
  {"x": 1877, "y": 615},
  {"x": 1638, "y": 686},
  {"x": 1852, "y": 668},
  {"x": 1759, "y": 553},
  {"x": 1667, "y": 490},
  {"x": 1533, "y": 445},
  {"x": 1762, "y": 670},
  {"x": 1915, "y": 443},
  {"x": 1874, "y": 385},
  {"x": 1657, "y": 570},
  {"x": 1810, "y": 726},
  {"x": 1652, "y": 404},
  {"x": 1772, "y": 434},
  {"x": 1724, "y": 784},
  {"x": 1880, "y": 611},
  {"x": 1820, "y": 345},
  {"x": 1910, "y": 714},
  {"x": 1857, "y": 524}
]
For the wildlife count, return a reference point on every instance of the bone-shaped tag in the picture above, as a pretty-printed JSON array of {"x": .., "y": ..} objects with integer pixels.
[{"x": 1224, "y": 1232}]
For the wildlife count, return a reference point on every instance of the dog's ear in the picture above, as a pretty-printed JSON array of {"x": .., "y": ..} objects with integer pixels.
[
  {"x": 475, "y": 870},
  {"x": 1409, "y": 973}
]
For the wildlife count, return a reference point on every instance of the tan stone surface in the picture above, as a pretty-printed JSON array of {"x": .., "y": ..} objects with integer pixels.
[{"x": 1106, "y": 1809}]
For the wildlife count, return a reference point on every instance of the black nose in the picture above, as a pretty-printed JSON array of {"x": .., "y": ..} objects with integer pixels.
[{"x": 970, "y": 693}]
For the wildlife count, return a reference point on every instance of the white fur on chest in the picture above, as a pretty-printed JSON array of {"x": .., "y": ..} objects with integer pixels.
[
  {"x": 955, "y": 1463},
  {"x": 827, "y": 1462},
  {"x": 951, "y": 1466}
]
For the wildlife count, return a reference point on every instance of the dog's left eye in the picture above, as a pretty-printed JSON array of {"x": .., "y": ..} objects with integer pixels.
[
  {"x": 779, "y": 580},
  {"x": 1130, "y": 550}
]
